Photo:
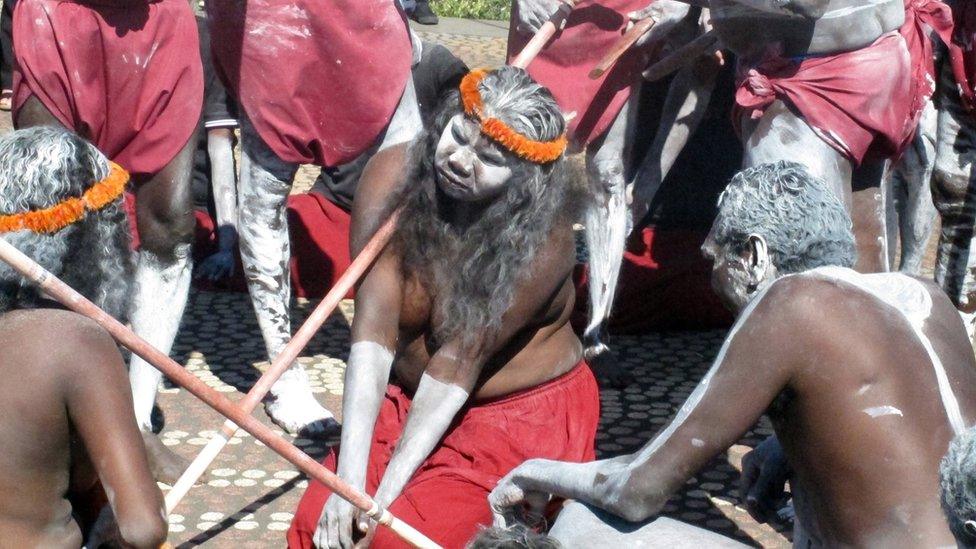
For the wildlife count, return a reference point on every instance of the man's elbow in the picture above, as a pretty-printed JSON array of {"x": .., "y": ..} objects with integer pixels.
[
  {"x": 636, "y": 505},
  {"x": 149, "y": 532}
]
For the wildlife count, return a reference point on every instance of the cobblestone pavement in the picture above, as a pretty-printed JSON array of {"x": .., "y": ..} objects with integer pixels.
[{"x": 250, "y": 494}]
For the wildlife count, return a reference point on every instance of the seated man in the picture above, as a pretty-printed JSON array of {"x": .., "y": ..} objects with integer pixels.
[
  {"x": 469, "y": 309},
  {"x": 66, "y": 418},
  {"x": 864, "y": 410}
]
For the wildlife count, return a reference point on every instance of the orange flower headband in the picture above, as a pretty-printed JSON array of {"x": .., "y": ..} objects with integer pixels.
[
  {"x": 540, "y": 152},
  {"x": 70, "y": 210}
]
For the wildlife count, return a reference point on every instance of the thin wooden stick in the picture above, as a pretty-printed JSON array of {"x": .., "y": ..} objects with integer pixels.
[
  {"x": 542, "y": 36},
  {"x": 57, "y": 289},
  {"x": 626, "y": 41},
  {"x": 681, "y": 56},
  {"x": 283, "y": 361}
]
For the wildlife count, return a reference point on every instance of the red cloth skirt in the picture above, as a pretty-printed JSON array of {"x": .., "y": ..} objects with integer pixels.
[
  {"x": 592, "y": 29},
  {"x": 923, "y": 17},
  {"x": 319, "y": 80},
  {"x": 860, "y": 102},
  {"x": 447, "y": 498},
  {"x": 125, "y": 75}
]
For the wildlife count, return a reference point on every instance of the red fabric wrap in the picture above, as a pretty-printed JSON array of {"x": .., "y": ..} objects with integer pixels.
[
  {"x": 921, "y": 18},
  {"x": 593, "y": 27},
  {"x": 860, "y": 102},
  {"x": 964, "y": 38},
  {"x": 124, "y": 75},
  {"x": 447, "y": 498},
  {"x": 319, "y": 80}
]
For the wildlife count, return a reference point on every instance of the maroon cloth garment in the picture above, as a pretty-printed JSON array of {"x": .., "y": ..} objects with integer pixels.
[
  {"x": 860, "y": 102},
  {"x": 964, "y": 38},
  {"x": 125, "y": 75},
  {"x": 665, "y": 284},
  {"x": 921, "y": 18},
  {"x": 447, "y": 498},
  {"x": 318, "y": 79},
  {"x": 592, "y": 29}
]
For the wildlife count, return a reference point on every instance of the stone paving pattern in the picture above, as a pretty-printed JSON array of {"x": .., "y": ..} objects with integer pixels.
[{"x": 250, "y": 493}]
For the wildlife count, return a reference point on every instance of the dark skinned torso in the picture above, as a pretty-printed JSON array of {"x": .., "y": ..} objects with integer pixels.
[
  {"x": 749, "y": 32},
  {"x": 543, "y": 349},
  {"x": 887, "y": 493},
  {"x": 65, "y": 392}
]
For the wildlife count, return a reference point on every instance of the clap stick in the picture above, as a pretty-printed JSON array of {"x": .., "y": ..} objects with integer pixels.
[
  {"x": 630, "y": 37},
  {"x": 283, "y": 361},
  {"x": 681, "y": 56},
  {"x": 56, "y": 288},
  {"x": 543, "y": 35}
]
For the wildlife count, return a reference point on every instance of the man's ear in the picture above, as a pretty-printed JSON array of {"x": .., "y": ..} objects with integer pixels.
[{"x": 758, "y": 259}]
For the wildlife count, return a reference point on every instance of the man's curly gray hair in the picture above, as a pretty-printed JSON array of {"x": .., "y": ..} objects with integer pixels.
[
  {"x": 40, "y": 167},
  {"x": 958, "y": 487},
  {"x": 804, "y": 223}
]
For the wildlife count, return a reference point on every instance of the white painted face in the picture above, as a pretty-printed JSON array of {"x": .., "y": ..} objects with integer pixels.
[
  {"x": 470, "y": 166},
  {"x": 734, "y": 276}
]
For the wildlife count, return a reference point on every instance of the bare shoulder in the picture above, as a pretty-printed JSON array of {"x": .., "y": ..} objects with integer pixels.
[{"x": 65, "y": 338}]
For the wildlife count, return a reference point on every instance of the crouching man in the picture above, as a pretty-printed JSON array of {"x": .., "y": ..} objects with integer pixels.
[
  {"x": 866, "y": 378},
  {"x": 66, "y": 418},
  {"x": 469, "y": 309}
]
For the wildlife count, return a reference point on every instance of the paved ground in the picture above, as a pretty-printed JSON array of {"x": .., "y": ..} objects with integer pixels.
[{"x": 251, "y": 493}]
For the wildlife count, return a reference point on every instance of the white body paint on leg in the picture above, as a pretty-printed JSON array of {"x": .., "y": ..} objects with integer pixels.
[
  {"x": 266, "y": 252},
  {"x": 606, "y": 218},
  {"x": 909, "y": 298},
  {"x": 160, "y": 296},
  {"x": 910, "y": 189}
]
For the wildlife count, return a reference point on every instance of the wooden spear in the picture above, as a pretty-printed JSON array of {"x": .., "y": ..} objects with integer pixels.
[
  {"x": 543, "y": 35},
  {"x": 57, "y": 289},
  {"x": 626, "y": 41}
]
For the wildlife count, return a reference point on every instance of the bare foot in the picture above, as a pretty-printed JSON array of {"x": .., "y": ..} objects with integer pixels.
[
  {"x": 295, "y": 410},
  {"x": 164, "y": 464}
]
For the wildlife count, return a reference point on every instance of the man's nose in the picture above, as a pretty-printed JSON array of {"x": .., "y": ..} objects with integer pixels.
[{"x": 460, "y": 162}]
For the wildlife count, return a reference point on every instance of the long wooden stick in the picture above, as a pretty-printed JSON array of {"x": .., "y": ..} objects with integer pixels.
[
  {"x": 542, "y": 36},
  {"x": 284, "y": 360},
  {"x": 626, "y": 41},
  {"x": 681, "y": 56},
  {"x": 56, "y": 288}
]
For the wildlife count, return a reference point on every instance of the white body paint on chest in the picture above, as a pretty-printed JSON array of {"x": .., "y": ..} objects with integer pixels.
[{"x": 910, "y": 298}]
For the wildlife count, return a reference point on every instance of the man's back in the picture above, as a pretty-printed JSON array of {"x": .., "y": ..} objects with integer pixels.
[
  {"x": 63, "y": 398},
  {"x": 868, "y": 412}
]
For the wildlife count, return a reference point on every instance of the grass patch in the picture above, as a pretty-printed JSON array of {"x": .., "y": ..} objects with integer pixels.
[{"x": 472, "y": 9}]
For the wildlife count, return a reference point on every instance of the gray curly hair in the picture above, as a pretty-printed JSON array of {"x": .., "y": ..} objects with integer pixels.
[
  {"x": 804, "y": 223},
  {"x": 40, "y": 167},
  {"x": 958, "y": 487}
]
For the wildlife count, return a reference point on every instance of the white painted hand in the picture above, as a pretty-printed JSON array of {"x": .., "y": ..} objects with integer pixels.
[
  {"x": 667, "y": 14},
  {"x": 334, "y": 530},
  {"x": 534, "y": 13},
  {"x": 512, "y": 501}
]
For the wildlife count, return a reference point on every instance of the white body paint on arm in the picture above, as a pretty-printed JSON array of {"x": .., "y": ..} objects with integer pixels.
[
  {"x": 367, "y": 374},
  {"x": 433, "y": 409}
]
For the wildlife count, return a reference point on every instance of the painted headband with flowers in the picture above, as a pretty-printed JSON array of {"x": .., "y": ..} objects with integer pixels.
[
  {"x": 540, "y": 152},
  {"x": 70, "y": 210}
]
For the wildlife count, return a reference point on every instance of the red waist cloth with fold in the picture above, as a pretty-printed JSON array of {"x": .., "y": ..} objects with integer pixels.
[
  {"x": 447, "y": 498},
  {"x": 319, "y": 80},
  {"x": 593, "y": 27},
  {"x": 859, "y": 102},
  {"x": 921, "y": 18},
  {"x": 125, "y": 75},
  {"x": 964, "y": 13}
]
